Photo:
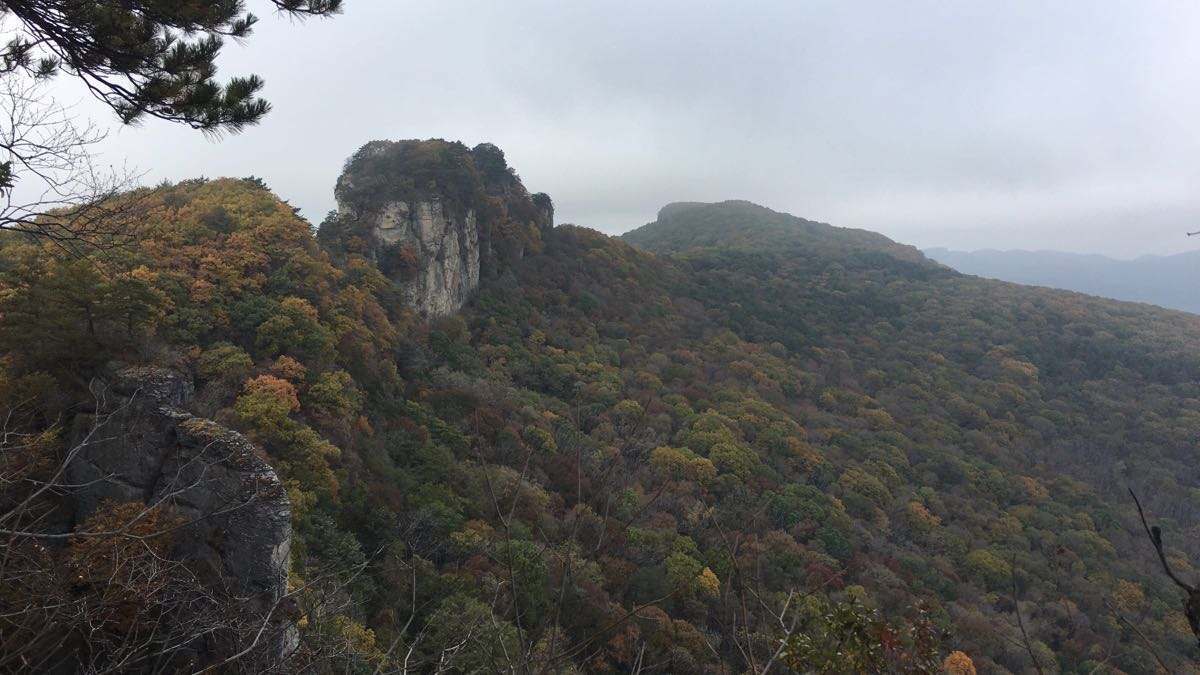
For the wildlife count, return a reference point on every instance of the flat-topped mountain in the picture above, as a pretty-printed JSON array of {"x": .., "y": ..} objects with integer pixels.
[{"x": 681, "y": 226}]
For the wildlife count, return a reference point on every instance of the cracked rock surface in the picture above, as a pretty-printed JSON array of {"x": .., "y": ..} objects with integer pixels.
[{"x": 151, "y": 450}]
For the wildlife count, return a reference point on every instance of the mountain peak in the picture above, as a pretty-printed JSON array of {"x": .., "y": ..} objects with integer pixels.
[
  {"x": 744, "y": 225},
  {"x": 675, "y": 209}
]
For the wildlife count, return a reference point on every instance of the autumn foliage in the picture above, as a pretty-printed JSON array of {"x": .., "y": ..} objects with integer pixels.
[{"x": 612, "y": 458}]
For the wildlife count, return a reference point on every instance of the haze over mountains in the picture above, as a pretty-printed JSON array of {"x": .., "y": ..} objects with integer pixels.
[{"x": 1168, "y": 281}]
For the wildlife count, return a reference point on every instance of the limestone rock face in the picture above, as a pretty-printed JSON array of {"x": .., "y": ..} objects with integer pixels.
[
  {"x": 436, "y": 217},
  {"x": 150, "y": 450},
  {"x": 446, "y": 248}
]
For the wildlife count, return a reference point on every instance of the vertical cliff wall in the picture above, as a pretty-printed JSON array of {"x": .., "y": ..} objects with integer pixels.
[
  {"x": 237, "y": 530},
  {"x": 436, "y": 216}
]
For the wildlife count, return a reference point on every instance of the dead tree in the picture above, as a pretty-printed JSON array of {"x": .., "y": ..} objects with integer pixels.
[
  {"x": 52, "y": 188},
  {"x": 1191, "y": 604}
]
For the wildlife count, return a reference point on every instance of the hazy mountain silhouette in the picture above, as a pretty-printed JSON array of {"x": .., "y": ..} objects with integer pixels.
[{"x": 1169, "y": 281}]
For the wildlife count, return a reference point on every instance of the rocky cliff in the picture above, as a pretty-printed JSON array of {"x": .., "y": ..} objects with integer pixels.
[
  {"x": 237, "y": 516},
  {"x": 437, "y": 217}
]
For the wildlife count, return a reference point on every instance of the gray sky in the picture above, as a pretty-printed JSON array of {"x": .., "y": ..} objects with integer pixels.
[{"x": 1070, "y": 125}]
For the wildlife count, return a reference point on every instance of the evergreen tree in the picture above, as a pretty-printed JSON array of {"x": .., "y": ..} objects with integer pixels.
[{"x": 142, "y": 58}]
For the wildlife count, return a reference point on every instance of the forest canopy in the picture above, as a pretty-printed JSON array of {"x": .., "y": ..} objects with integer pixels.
[{"x": 718, "y": 454}]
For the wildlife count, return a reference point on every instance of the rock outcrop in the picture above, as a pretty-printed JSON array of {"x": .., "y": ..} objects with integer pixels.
[
  {"x": 441, "y": 250},
  {"x": 238, "y": 519},
  {"x": 436, "y": 217}
]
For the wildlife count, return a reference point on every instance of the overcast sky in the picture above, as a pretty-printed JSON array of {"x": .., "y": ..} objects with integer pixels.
[{"x": 1070, "y": 125}]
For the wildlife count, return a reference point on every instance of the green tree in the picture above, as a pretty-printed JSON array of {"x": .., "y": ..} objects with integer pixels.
[
  {"x": 465, "y": 635},
  {"x": 69, "y": 316},
  {"x": 147, "y": 57},
  {"x": 850, "y": 637}
]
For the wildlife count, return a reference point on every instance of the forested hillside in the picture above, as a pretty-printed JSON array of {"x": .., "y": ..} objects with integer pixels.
[{"x": 735, "y": 442}]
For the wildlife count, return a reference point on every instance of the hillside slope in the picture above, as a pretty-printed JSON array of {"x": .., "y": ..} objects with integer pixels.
[{"x": 612, "y": 458}]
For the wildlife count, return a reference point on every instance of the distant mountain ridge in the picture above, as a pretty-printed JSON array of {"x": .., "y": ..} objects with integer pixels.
[{"x": 1168, "y": 281}]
